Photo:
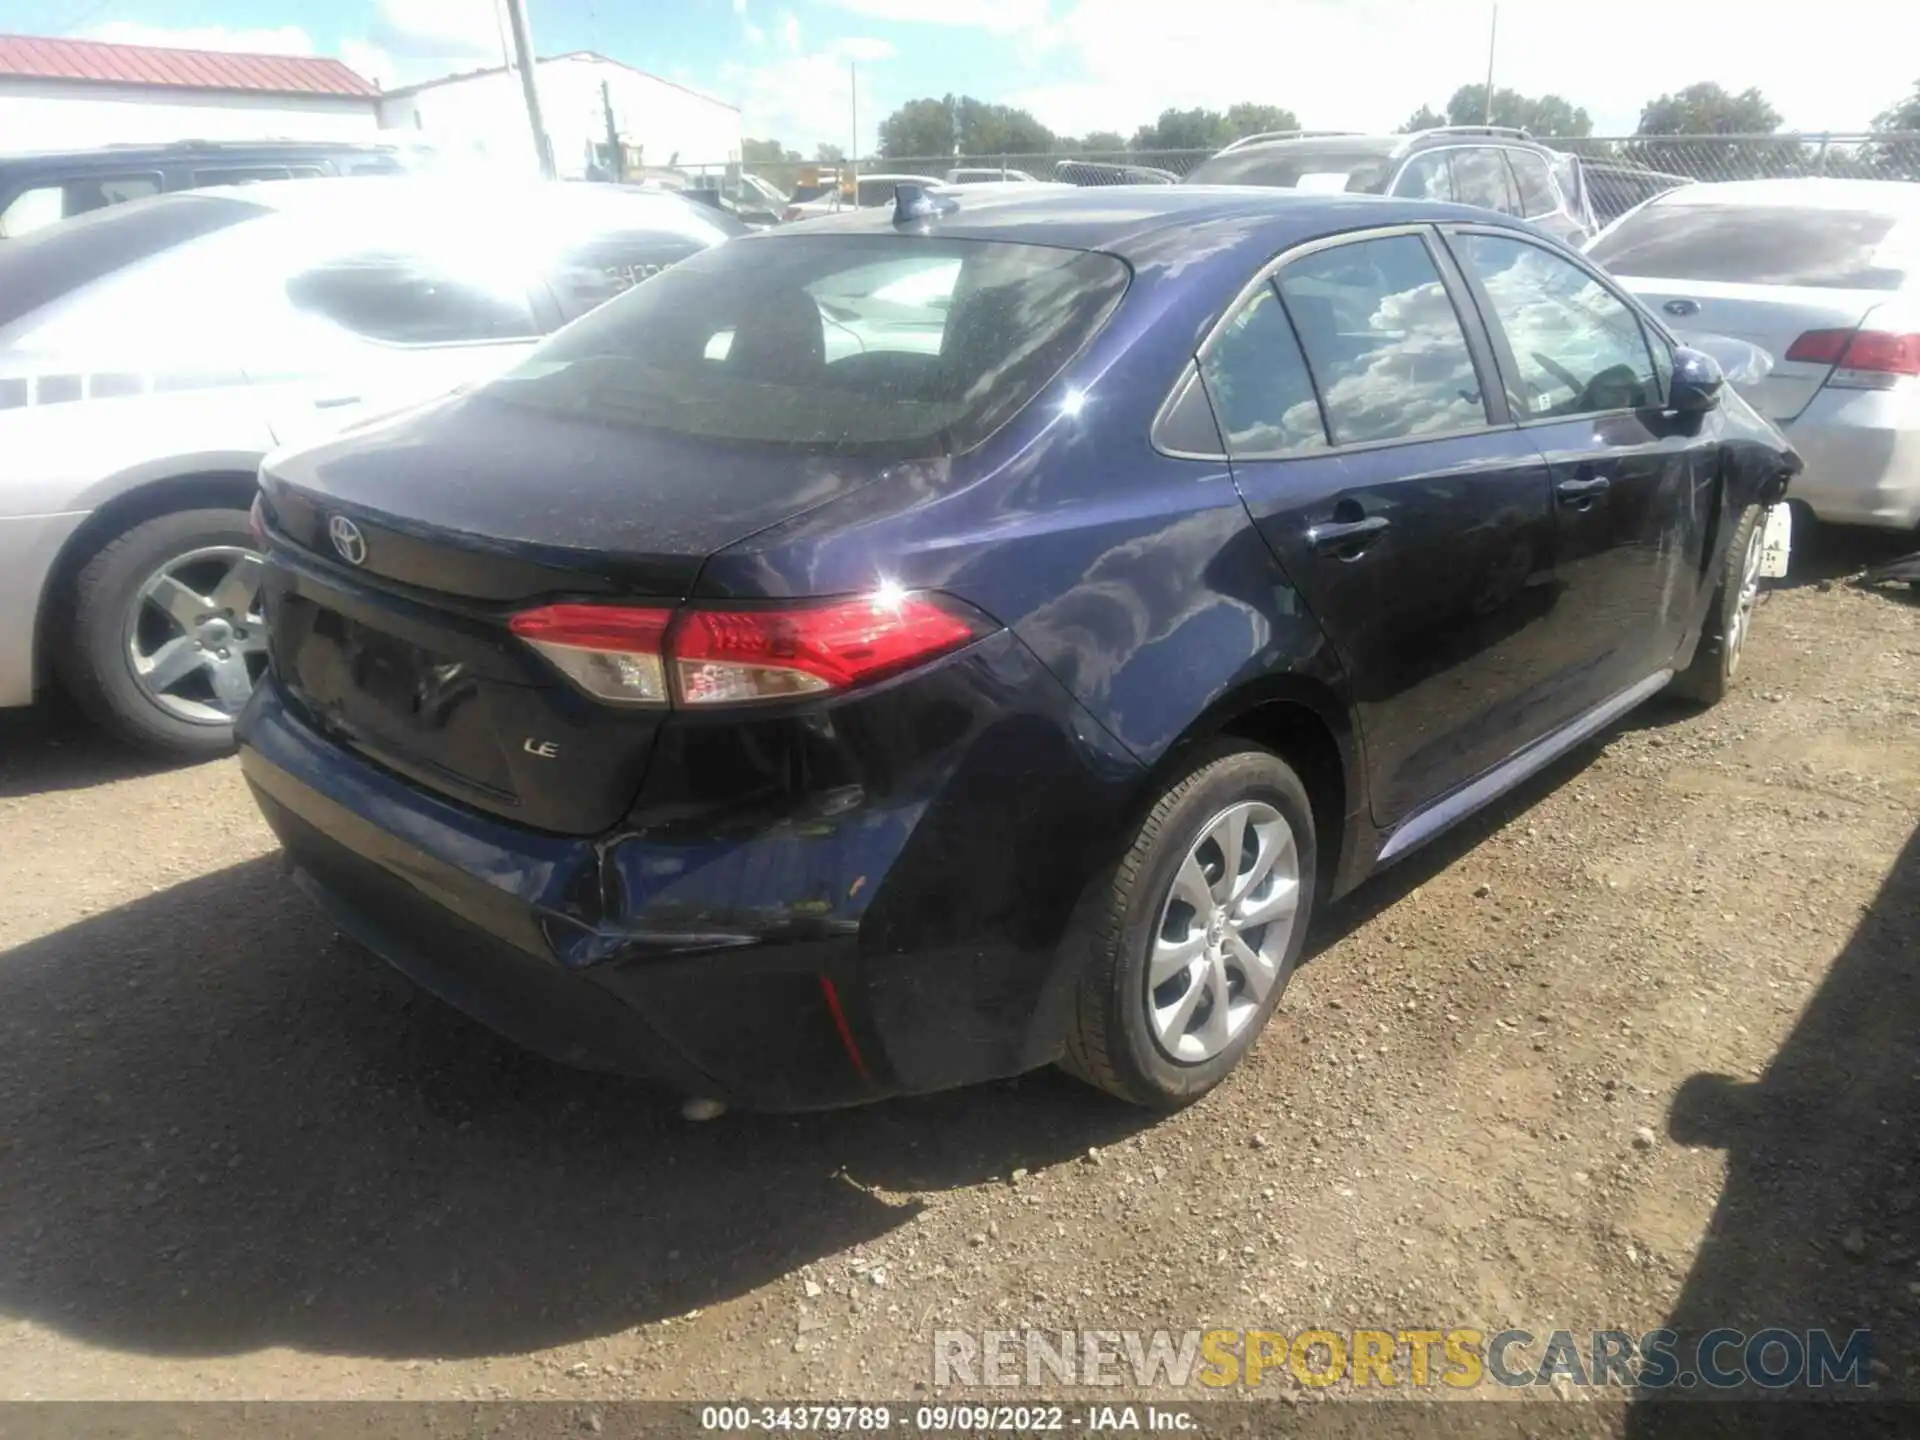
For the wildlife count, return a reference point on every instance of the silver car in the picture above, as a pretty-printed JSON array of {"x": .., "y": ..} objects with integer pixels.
[
  {"x": 1823, "y": 275},
  {"x": 153, "y": 352}
]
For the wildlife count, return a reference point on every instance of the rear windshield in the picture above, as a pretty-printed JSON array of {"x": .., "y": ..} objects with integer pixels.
[
  {"x": 1758, "y": 245},
  {"x": 895, "y": 345},
  {"x": 56, "y": 260},
  {"x": 805, "y": 194},
  {"x": 1365, "y": 167}
]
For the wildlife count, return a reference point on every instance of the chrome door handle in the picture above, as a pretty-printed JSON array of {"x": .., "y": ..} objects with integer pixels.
[{"x": 1346, "y": 538}]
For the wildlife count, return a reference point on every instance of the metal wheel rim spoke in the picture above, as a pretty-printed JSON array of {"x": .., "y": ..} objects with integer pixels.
[
  {"x": 1225, "y": 927},
  {"x": 1749, "y": 597},
  {"x": 196, "y": 639}
]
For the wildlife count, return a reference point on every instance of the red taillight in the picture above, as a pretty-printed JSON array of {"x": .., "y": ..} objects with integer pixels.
[
  {"x": 612, "y": 652},
  {"x": 728, "y": 657},
  {"x": 792, "y": 212},
  {"x": 1861, "y": 352}
]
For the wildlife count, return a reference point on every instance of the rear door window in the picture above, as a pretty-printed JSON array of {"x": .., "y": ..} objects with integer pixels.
[
  {"x": 1480, "y": 177},
  {"x": 1384, "y": 342},
  {"x": 1427, "y": 177},
  {"x": 410, "y": 298},
  {"x": 1763, "y": 245},
  {"x": 1535, "y": 184},
  {"x": 909, "y": 346},
  {"x": 61, "y": 200},
  {"x": 1577, "y": 348},
  {"x": 243, "y": 174},
  {"x": 1258, "y": 382}
]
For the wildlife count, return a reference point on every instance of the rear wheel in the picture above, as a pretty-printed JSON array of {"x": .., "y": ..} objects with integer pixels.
[
  {"x": 1204, "y": 923},
  {"x": 1729, "y": 621},
  {"x": 165, "y": 639}
]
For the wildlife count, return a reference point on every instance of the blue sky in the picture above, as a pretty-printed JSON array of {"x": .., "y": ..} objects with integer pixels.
[{"x": 1085, "y": 64}]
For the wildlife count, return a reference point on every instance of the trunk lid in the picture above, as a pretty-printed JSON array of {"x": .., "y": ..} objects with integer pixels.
[
  {"x": 403, "y": 547},
  {"x": 1769, "y": 316}
]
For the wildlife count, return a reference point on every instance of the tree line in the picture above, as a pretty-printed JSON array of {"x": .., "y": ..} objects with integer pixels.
[{"x": 962, "y": 125}]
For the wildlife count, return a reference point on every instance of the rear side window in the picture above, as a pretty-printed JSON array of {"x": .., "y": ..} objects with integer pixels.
[
  {"x": 1384, "y": 342},
  {"x": 413, "y": 299},
  {"x": 1259, "y": 385},
  {"x": 244, "y": 174},
  {"x": 1535, "y": 184},
  {"x": 897, "y": 345},
  {"x": 1480, "y": 177},
  {"x": 1426, "y": 177},
  {"x": 1763, "y": 245},
  {"x": 62, "y": 200},
  {"x": 1577, "y": 348},
  {"x": 593, "y": 273}
]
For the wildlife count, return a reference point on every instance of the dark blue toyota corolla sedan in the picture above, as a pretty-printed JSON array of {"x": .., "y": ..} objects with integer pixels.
[{"x": 892, "y": 652}]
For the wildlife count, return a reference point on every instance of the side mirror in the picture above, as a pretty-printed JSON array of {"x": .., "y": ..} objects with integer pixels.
[{"x": 1697, "y": 382}]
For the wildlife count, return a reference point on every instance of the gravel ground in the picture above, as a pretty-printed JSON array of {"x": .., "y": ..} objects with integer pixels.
[{"x": 1637, "y": 1047}]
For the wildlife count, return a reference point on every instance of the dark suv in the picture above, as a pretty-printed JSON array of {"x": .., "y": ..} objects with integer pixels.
[
  {"x": 41, "y": 188},
  {"x": 1492, "y": 166}
]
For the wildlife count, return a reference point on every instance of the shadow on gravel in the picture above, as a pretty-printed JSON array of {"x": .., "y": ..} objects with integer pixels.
[
  {"x": 1818, "y": 1225},
  {"x": 223, "y": 1128},
  {"x": 1838, "y": 551},
  {"x": 51, "y": 747}
]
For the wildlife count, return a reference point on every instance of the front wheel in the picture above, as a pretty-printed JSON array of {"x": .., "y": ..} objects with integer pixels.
[
  {"x": 1205, "y": 920},
  {"x": 165, "y": 638},
  {"x": 1730, "y": 619}
]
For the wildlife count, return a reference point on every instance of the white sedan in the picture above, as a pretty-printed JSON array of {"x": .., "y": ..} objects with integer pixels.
[
  {"x": 153, "y": 352},
  {"x": 1824, "y": 275}
]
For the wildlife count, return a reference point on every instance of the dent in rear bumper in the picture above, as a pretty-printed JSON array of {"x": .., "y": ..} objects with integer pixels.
[{"x": 938, "y": 899}]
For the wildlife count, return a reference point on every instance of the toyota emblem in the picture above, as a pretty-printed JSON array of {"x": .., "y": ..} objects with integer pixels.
[{"x": 348, "y": 540}]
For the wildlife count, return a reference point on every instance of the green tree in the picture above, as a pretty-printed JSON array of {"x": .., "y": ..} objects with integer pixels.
[
  {"x": 1102, "y": 142},
  {"x": 1195, "y": 129},
  {"x": 1898, "y": 159},
  {"x": 1249, "y": 118},
  {"x": 1543, "y": 115},
  {"x": 830, "y": 154},
  {"x": 1425, "y": 118},
  {"x": 1707, "y": 109},
  {"x": 772, "y": 162},
  {"x": 931, "y": 128}
]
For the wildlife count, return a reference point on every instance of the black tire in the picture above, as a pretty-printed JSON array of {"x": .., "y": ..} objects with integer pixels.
[
  {"x": 1109, "y": 1040},
  {"x": 90, "y": 646},
  {"x": 1715, "y": 663}
]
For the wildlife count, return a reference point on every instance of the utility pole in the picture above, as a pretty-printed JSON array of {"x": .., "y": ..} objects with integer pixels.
[
  {"x": 616, "y": 152},
  {"x": 1493, "y": 34},
  {"x": 523, "y": 51},
  {"x": 853, "y": 119}
]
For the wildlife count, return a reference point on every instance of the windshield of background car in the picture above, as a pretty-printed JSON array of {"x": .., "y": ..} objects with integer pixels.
[
  {"x": 1318, "y": 165},
  {"x": 903, "y": 346},
  {"x": 1762, "y": 245}
]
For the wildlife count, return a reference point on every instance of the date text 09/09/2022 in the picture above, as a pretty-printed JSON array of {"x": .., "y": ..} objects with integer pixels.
[{"x": 940, "y": 1419}]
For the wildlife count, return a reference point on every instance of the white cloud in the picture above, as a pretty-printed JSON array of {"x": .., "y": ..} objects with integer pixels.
[
  {"x": 789, "y": 30},
  {"x": 804, "y": 100},
  {"x": 755, "y": 35},
  {"x": 282, "y": 40},
  {"x": 999, "y": 17},
  {"x": 439, "y": 29},
  {"x": 1368, "y": 64},
  {"x": 864, "y": 48},
  {"x": 740, "y": 7}
]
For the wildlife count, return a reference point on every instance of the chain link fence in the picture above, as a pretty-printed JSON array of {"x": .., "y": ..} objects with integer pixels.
[{"x": 1621, "y": 170}]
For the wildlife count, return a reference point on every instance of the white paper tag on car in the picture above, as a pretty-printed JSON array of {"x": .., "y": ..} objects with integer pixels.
[{"x": 1776, "y": 545}]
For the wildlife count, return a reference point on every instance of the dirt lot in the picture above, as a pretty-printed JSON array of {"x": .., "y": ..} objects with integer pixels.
[{"x": 241, "y": 1159}]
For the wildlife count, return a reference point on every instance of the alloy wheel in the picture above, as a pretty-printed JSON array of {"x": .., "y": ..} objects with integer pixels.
[
  {"x": 196, "y": 640},
  {"x": 1223, "y": 932}
]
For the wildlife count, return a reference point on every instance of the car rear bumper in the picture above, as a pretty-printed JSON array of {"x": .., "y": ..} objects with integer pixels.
[
  {"x": 1862, "y": 453},
  {"x": 889, "y": 946}
]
